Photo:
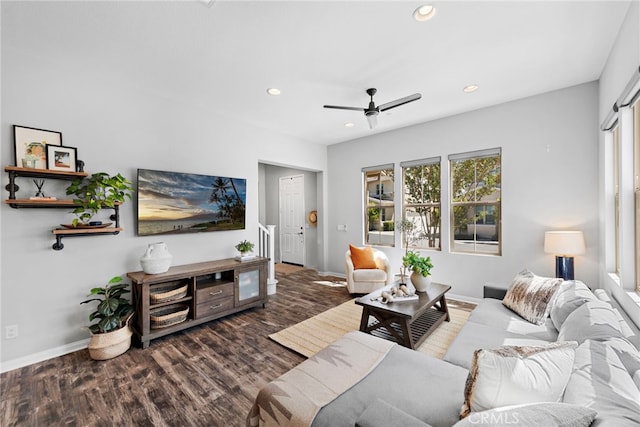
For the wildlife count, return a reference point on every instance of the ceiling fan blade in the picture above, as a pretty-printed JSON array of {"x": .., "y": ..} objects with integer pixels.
[
  {"x": 344, "y": 108},
  {"x": 373, "y": 120},
  {"x": 399, "y": 102}
]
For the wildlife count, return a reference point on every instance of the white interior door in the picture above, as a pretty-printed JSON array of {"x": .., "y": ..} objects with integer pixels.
[{"x": 292, "y": 219}]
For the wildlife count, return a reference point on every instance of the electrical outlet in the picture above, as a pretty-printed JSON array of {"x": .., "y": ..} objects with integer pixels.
[{"x": 11, "y": 332}]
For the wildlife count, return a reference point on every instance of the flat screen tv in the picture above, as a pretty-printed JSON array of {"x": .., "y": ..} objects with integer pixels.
[{"x": 174, "y": 202}]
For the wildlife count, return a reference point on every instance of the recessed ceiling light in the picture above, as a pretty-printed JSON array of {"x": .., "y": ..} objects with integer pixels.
[
  {"x": 273, "y": 91},
  {"x": 424, "y": 13},
  {"x": 470, "y": 88},
  {"x": 349, "y": 125}
]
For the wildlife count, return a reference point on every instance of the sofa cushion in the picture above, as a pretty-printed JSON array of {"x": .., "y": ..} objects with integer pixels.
[
  {"x": 600, "y": 381},
  {"x": 381, "y": 414},
  {"x": 492, "y": 312},
  {"x": 424, "y": 387},
  {"x": 512, "y": 375},
  {"x": 571, "y": 295},
  {"x": 592, "y": 320},
  {"x": 474, "y": 336},
  {"x": 628, "y": 354},
  {"x": 362, "y": 257},
  {"x": 530, "y": 296},
  {"x": 547, "y": 414}
]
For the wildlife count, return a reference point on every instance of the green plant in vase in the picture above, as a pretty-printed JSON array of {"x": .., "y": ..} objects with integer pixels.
[
  {"x": 244, "y": 247},
  {"x": 97, "y": 191},
  {"x": 420, "y": 269}
]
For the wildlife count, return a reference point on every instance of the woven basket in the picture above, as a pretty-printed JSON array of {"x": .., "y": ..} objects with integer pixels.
[
  {"x": 163, "y": 317},
  {"x": 111, "y": 344},
  {"x": 167, "y": 292}
]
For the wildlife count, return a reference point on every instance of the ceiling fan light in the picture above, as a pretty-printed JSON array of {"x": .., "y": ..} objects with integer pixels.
[
  {"x": 424, "y": 13},
  {"x": 373, "y": 120}
]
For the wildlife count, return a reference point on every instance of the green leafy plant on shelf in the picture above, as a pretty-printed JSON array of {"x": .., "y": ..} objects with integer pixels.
[
  {"x": 97, "y": 191},
  {"x": 113, "y": 311},
  {"x": 245, "y": 246}
]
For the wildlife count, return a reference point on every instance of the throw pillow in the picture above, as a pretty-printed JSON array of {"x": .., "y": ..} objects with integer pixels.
[
  {"x": 512, "y": 375},
  {"x": 530, "y": 296},
  {"x": 593, "y": 320},
  {"x": 362, "y": 257},
  {"x": 548, "y": 414},
  {"x": 571, "y": 295}
]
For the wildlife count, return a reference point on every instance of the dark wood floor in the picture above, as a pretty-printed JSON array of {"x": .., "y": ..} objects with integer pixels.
[{"x": 205, "y": 376}]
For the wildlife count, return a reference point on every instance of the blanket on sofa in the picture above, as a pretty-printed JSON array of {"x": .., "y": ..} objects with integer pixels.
[{"x": 295, "y": 398}]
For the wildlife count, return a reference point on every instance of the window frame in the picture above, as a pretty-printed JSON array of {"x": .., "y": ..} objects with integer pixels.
[
  {"x": 412, "y": 242},
  {"x": 636, "y": 189},
  {"x": 389, "y": 204},
  {"x": 475, "y": 242}
]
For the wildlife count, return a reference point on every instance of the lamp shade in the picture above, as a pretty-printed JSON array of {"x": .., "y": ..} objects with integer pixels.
[{"x": 564, "y": 242}]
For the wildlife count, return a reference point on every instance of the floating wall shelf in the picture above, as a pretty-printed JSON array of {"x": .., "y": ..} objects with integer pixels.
[{"x": 59, "y": 233}]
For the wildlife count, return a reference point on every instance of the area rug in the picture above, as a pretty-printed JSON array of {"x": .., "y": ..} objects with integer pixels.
[{"x": 312, "y": 335}]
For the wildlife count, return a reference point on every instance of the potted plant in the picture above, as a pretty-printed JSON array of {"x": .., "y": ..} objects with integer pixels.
[
  {"x": 244, "y": 247},
  {"x": 97, "y": 191},
  {"x": 111, "y": 335},
  {"x": 420, "y": 269}
]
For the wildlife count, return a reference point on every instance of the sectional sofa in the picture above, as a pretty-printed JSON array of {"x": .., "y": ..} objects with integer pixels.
[{"x": 552, "y": 352}]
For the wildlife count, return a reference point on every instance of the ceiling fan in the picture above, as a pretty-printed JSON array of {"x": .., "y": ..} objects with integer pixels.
[{"x": 371, "y": 112}]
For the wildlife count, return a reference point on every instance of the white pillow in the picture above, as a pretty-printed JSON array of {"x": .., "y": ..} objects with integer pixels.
[
  {"x": 592, "y": 320},
  {"x": 530, "y": 296},
  {"x": 512, "y": 375},
  {"x": 571, "y": 295}
]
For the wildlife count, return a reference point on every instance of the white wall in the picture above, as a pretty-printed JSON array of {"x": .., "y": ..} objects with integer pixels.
[
  {"x": 549, "y": 161},
  {"x": 116, "y": 128},
  {"x": 623, "y": 61}
]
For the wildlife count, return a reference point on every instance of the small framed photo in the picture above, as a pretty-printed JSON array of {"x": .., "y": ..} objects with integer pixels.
[
  {"x": 60, "y": 158},
  {"x": 30, "y": 146}
]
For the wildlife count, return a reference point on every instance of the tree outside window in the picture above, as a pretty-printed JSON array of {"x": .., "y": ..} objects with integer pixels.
[
  {"x": 476, "y": 200},
  {"x": 421, "y": 201}
]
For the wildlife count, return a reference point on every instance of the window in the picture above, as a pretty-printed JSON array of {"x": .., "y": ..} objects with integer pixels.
[
  {"x": 379, "y": 205},
  {"x": 421, "y": 201},
  {"x": 475, "y": 202}
]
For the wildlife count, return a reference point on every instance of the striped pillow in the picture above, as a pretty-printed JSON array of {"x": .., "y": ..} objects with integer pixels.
[{"x": 530, "y": 296}]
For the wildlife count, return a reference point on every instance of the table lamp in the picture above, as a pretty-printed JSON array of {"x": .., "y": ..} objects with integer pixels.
[{"x": 564, "y": 244}]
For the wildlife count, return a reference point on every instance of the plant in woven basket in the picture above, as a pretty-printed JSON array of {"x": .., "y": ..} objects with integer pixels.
[{"x": 113, "y": 311}]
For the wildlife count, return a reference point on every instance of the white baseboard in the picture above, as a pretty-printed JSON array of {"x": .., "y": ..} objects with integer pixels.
[
  {"x": 463, "y": 298},
  {"x": 43, "y": 355}
]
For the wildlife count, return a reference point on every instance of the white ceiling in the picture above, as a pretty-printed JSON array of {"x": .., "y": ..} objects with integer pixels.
[{"x": 222, "y": 58}]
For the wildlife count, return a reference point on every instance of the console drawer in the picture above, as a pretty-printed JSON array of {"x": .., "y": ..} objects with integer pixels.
[
  {"x": 214, "y": 306},
  {"x": 212, "y": 293}
]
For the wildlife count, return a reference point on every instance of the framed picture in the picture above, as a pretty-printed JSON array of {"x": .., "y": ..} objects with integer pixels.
[
  {"x": 178, "y": 203},
  {"x": 60, "y": 158},
  {"x": 30, "y": 146}
]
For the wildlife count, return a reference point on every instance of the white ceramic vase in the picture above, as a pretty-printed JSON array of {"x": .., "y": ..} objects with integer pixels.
[
  {"x": 420, "y": 282},
  {"x": 156, "y": 259}
]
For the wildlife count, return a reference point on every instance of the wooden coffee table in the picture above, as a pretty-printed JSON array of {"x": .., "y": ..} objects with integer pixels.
[{"x": 408, "y": 323}]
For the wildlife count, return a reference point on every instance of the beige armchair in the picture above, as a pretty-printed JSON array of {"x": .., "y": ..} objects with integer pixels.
[{"x": 364, "y": 281}]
